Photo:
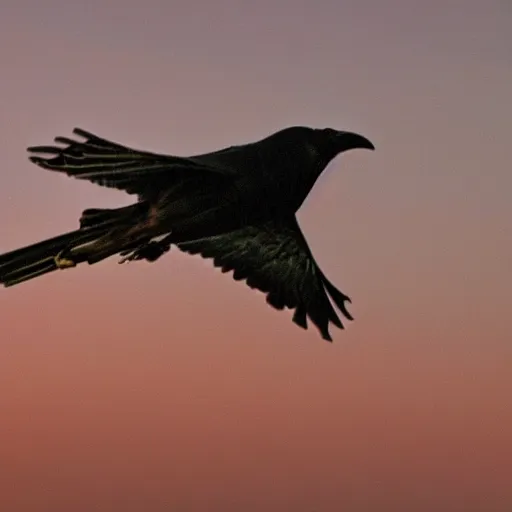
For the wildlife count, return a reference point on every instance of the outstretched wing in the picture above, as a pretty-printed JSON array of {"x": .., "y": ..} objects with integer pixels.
[
  {"x": 112, "y": 165},
  {"x": 275, "y": 258}
]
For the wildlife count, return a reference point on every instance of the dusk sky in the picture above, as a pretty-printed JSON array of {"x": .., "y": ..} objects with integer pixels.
[{"x": 169, "y": 386}]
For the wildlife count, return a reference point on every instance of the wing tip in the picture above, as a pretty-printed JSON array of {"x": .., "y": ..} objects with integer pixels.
[
  {"x": 38, "y": 160},
  {"x": 83, "y": 133},
  {"x": 327, "y": 337}
]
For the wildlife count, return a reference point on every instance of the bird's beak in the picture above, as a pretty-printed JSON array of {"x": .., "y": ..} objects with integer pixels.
[{"x": 349, "y": 140}]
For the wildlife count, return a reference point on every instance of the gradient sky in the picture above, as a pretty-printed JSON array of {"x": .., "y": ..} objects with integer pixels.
[{"x": 170, "y": 386}]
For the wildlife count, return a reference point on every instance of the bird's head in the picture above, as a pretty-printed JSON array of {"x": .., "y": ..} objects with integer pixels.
[
  {"x": 298, "y": 155},
  {"x": 332, "y": 142},
  {"x": 321, "y": 144},
  {"x": 341, "y": 141}
]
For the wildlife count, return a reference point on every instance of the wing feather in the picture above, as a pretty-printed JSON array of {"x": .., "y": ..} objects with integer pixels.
[
  {"x": 275, "y": 259},
  {"x": 109, "y": 164}
]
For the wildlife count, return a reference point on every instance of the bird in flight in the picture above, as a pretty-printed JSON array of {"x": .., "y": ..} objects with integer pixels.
[{"x": 236, "y": 206}]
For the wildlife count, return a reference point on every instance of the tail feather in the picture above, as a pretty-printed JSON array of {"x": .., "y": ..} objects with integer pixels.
[
  {"x": 29, "y": 272},
  {"x": 39, "y": 259}
]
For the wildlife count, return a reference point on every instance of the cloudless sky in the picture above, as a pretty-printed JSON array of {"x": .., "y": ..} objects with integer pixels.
[{"x": 169, "y": 386}]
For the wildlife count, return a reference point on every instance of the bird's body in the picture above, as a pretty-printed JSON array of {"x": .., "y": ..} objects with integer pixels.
[{"x": 236, "y": 205}]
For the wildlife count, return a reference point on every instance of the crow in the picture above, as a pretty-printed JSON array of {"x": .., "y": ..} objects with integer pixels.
[{"x": 237, "y": 206}]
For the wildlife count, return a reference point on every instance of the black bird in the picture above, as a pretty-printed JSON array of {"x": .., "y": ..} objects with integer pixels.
[{"x": 236, "y": 205}]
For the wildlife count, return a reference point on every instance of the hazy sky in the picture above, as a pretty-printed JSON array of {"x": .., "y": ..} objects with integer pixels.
[{"x": 170, "y": 386}]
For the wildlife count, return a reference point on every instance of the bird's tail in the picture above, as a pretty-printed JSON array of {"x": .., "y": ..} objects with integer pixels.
[{"x": 38, "y": 259}]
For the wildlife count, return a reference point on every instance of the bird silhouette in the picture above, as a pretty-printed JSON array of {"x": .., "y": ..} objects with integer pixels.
[{"x": 237, "y": 206}]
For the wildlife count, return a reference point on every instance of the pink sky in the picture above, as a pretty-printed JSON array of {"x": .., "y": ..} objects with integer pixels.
[{"x": 170, "y": 386}]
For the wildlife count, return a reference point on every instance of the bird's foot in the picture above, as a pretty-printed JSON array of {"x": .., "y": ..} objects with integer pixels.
[
  {"x": 129, "y": 256},
  {"x": 150, "y": 251},
  {"x": 62, "y": 262}
]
